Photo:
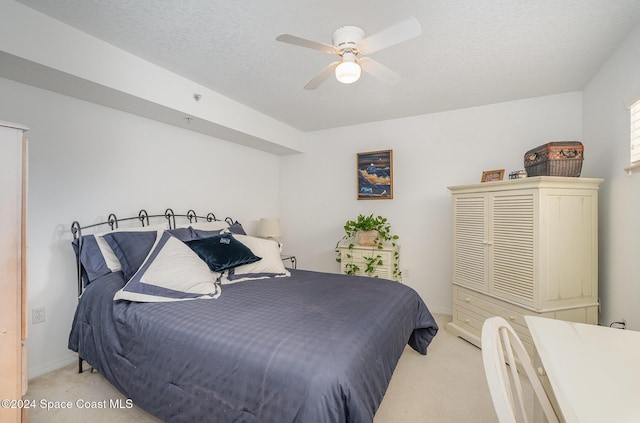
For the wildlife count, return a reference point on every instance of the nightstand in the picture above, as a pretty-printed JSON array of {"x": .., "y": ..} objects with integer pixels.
[
  {"x": 292, "y": 259},
  {"x": 357, "y": 255}
]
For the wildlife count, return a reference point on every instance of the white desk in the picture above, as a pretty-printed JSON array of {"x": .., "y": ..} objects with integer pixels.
[{"x": 594, "y": 371}]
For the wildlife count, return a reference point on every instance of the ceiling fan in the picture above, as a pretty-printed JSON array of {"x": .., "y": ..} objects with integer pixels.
[{"x": 350, "y": 44}]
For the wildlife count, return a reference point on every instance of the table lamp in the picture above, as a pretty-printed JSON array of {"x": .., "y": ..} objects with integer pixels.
[{"x": 269, "y": 228}]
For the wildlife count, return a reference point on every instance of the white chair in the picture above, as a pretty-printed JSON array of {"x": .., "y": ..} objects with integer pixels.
[{"x": 499, "y": 341}]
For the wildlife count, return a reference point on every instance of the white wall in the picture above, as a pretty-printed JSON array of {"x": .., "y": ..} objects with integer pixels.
[
  {"x": 606, "y": 129},
  {"x": 86, "y": 161},
  {"x": 431, "y": 152},
  {"x": 39, "y": 50}
]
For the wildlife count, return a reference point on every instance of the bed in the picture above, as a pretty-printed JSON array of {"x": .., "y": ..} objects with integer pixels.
[{"x": 261, "y": 344}]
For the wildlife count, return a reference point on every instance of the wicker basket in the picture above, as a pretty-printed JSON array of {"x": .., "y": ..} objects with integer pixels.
[
  {"x": 561, "y": 158},
  {"x": 367, "y": 238}
]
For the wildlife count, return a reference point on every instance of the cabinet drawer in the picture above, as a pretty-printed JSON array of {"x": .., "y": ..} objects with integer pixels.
[
  {"x": 471, "y": 309},
  {"x": 359, "y": 255},
  {"x": 385, "y": 271},
  {"x": 471, "y": 320},
  {"x": 468, "y": 320},
  {"x": 495, "y": 307}
]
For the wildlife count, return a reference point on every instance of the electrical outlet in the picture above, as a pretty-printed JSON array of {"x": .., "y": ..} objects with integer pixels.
[{"x": 37, "y": 315}]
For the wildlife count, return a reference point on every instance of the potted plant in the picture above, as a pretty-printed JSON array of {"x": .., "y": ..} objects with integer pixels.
[{"x": 368, "y": 231}]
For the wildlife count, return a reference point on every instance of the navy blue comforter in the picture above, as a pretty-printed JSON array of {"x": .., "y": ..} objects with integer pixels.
[{"x": 314, "y": 347}]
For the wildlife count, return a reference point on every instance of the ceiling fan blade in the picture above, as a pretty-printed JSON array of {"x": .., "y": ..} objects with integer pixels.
[
  {"x": 395, "y": 34},
  {"x": 292, "y": 39},
  {"x": 321, "y": 77},
  {"x": 379, "y": 70}
]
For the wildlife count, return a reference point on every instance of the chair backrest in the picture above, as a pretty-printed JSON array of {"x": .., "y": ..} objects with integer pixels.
[{"x": 499, "y": 342}]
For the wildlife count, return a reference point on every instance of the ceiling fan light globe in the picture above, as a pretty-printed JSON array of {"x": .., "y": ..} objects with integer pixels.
[{"x": 348, "y": 72}]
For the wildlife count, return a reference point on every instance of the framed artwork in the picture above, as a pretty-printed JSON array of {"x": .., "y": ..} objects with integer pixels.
[
  {"x": 375, "y": 175},
  {"x": 492, "y": 175}
]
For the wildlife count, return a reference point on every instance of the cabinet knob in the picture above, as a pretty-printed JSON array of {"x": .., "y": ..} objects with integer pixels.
[
  {"x": 466, "y": 320},
  {"x": 541, "y": 371},
  {"x": 467, "y": 299},
  {"x": 512, "y": 317}
]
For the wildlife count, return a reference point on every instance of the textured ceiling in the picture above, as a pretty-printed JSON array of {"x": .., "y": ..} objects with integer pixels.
[{"x": 470, "y": 53}]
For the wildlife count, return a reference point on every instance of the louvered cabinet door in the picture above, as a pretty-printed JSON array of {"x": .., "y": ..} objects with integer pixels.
[
  {"x": 512, "y": 246},
  {"x": 470, "y": 240}
]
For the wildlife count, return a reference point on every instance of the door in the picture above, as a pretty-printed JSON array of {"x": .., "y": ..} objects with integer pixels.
[
  {"x": 470, "y": 240},
  {"x": 512, "y": 272}
]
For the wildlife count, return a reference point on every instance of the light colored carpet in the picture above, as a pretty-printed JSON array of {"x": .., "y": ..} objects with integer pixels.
[{"x": 447, "y": 385}]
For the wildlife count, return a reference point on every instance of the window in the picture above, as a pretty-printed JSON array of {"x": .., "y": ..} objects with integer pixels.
[{"x": 634, "y": 114}]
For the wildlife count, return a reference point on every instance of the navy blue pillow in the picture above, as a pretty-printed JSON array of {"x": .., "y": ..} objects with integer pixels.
[
  {"x": 93, "y": 262},
  {"x": 131, "y": 248},
  {"x": 222, "y": 252},
  {"x": 236, "y": 228},
  {"x": 183, "y": 234},
  {"x": 201, "y": 233}
]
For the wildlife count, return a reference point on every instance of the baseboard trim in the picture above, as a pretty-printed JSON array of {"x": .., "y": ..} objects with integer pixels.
[
  {"x": 51, "y": 366},
  {"x": 464, "y": 334},
  {"x": 438, "y": 310}
]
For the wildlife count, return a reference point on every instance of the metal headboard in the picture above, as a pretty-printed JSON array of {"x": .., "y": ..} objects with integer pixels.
[{"x": 143, "y": 217}]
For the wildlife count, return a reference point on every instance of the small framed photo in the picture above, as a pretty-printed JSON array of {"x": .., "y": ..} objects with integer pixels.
[
  {"x": 375, "y": 175},
  {"x": 492, "y": 175}
]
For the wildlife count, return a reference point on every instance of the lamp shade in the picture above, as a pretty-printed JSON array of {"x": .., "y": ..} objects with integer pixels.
[
  {"x": 269, "y": 227},
  {"x": 348, "y": 71}
]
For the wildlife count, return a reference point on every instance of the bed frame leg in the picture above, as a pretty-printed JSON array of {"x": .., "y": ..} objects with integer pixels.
[{"x": 79, "y": 364}]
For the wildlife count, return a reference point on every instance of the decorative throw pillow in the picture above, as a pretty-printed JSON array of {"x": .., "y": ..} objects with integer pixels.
[
  {"x": 270, "y": 266},
  {"x": 222, "y": 252},
  {"x": 170, "y": 272}
]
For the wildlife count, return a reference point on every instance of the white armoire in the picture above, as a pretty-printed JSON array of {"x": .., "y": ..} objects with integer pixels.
[
  {"x": 524, "y": 247},
  {"x": 13, "y": 322}
]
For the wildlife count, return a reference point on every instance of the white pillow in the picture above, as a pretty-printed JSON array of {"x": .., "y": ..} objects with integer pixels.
[
  {"x": 171, "y": 272},
  {"x": 270, "y": 266}
]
